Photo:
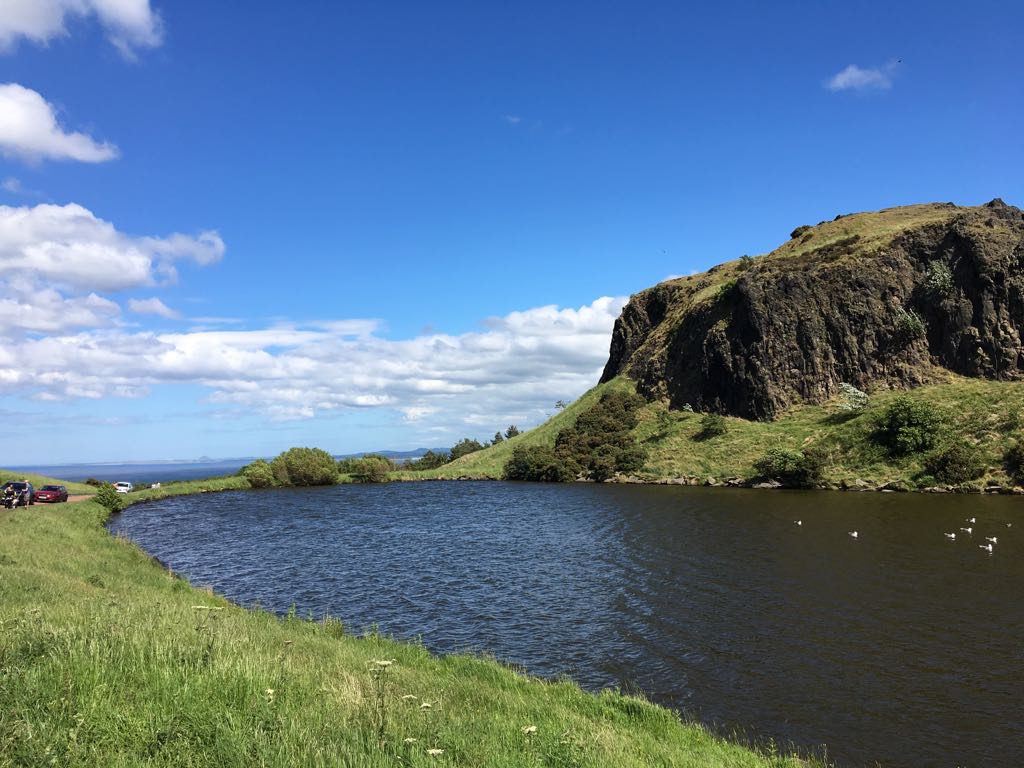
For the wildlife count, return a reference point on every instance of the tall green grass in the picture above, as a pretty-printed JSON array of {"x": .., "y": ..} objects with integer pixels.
[{"x": 108, "y": 659}]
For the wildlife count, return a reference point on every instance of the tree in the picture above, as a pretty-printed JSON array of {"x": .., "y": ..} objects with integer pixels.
[
  {"x": 498, "y": 438},
  {"x": 429, "y": 460},
  {"x": 464, "y": 447},
  {"x": 512, "y": 431},
  {"x": 110, "y": 498},
  {"x": 304, "y": 466},
  {"x": 561, "y": 405},
  {"x": 538, "y": 463}
]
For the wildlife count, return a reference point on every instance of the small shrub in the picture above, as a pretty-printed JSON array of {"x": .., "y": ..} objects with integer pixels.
[
  {"x": 93, "y": 482},
  {"x": 938, "y": 281},
  {"x": 712, "y": 425},
  {"x": 1013, "y": 460},
  {"x": 906, "y": 426},
  {"x": 854, "y": 400},
  {"x": 110, "y": 498},
  {"x": 797, "y": 469},
  {"x": 746, "y": 262},
  {"x": 799, "y": 231},
  {"x": 958, "y": 462},
  {"x": 429, "y": 460},
  {"x": 909, "y": 326},
  {"x": 258, "y": 473}
]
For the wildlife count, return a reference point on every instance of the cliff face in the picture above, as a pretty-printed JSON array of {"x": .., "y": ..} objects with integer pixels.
[{"x": 892, "y": 299}]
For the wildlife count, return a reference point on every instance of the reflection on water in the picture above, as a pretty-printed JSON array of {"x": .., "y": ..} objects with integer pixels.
[{"x": 900, "y": 646}]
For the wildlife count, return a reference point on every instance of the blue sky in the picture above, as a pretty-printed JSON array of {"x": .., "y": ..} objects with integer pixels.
[{"x": 229, "y": 228}]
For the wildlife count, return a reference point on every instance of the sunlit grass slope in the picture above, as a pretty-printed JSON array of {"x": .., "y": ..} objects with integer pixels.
[
  {"x": 107, "y": 659},
  {"x": 989, "y": 414}
]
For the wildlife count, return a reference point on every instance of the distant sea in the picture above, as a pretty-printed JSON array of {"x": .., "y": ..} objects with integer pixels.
[
  {"x": 145, "y": 473},
  {"x": 139, "y": 473}
]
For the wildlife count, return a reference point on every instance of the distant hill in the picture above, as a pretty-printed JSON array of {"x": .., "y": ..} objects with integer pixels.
[{"x": 893, "y": 300}]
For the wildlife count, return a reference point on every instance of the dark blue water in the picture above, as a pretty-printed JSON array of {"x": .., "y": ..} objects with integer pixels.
[{"x": 900, "y": 646}]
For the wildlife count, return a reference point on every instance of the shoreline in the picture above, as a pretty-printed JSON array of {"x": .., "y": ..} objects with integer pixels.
[{"x": 475, "y": 710}]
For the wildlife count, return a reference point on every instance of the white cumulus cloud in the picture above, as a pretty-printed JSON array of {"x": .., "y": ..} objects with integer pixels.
[
  {"x": 129, "y": 24},
  {"x": 511, "y": 372},
  {"x": 858, "y": 79},
  {"x": 68, "y": 246},
  {"x": 29, "y": 131}
]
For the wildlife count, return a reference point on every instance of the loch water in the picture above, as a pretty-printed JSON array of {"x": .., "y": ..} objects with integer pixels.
[{"x": 900, "y": 646}]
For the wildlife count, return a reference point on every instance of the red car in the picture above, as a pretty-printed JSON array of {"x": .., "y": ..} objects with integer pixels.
[{"x": 52, "y": 493}]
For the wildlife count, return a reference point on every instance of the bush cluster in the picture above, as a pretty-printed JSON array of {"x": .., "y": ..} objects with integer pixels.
[
  {"x": 792, "y": 468},
  {"x": 906, "y": 426},
  {"x": 371, "y": 468},
  {"x": 597, "y": 447},
  {"x": 296, "y": 466},
  {"x": 956, "y": 463}
]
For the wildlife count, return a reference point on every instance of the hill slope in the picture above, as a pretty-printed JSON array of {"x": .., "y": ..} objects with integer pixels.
[{"x": 893, "y": 299}]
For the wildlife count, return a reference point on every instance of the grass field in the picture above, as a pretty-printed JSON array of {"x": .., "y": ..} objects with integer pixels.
[
  {"x": 107, "y": 659},
  {"x": 988, "y": 414}
]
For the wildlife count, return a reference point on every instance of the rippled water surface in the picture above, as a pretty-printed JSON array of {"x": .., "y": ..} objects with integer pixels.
[{"x": 900, "y": 646}]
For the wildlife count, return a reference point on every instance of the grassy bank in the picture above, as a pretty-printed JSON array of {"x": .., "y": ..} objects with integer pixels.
[
  {"x": 985, "y": 414},
  {"x": 108, "y": 659}
]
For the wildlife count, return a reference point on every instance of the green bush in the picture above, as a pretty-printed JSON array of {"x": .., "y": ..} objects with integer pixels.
[
  {"x": 110, "y": 498},
  {"x": 956, "y": 463},
  {"x": 258, "y": 473},
  {"x": 909, "y": 326},
  {"x": 538, "y": 463},
  {"x": 304, "y": 466},
  {"x": 464, "y": 447},
  {"x": 712, "y": 425},
  {"x": 906, "y": 426},
  {"x": 429, "y": 460},
  {"x": 1013, "y": 460},
  {"x": 938, "y": 281},
  {"x": 371, "y": 468},
  {"x": 797, "y": 469}
]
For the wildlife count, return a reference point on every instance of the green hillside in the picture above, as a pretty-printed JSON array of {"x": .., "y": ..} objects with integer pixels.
[{"x": 987, "y": 415}]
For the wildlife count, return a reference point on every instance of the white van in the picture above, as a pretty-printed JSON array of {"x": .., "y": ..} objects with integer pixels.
[{"x": 124, "y": 487}]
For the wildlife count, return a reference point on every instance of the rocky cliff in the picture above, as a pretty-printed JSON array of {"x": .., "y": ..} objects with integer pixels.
[{"x": 892, "y": 299}]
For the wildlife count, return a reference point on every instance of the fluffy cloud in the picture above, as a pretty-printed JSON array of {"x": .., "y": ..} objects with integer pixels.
[
  {"x": 513, "y": 370},
  {"x": 858, "y": 79},
  {"x": 29, "y": 130},
  {"x": 152, "y": 306},
  {"x": 130, "y": 24},
  {"x": 68, "y": 246}
]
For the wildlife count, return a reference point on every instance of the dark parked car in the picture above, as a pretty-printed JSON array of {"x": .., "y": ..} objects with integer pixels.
[
  {"x": 18, "y": 490},
  {"x": 52, "y": 493}
]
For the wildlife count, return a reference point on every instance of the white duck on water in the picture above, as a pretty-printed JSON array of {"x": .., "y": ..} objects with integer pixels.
[{"x": 986, "y": 547}]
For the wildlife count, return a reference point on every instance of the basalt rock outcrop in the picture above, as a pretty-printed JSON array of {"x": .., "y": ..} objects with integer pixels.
[{"x": 892, "y": 299}]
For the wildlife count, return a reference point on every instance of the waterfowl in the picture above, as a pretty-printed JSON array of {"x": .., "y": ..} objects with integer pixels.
[
  {"x": 949, "y": 535},
  {"x": 993, "y": 539},
  {"x": 966, "y": 529},
  {"x": 853, "y": 534},
  {"x": 986, "y": 547},
  {"x": 970, "y": 520},
  {"x": 799, "y": 522}
]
